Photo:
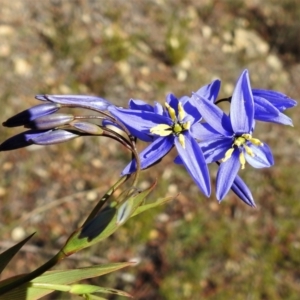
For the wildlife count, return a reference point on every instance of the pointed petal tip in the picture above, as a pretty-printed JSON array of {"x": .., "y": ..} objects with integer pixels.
[{"x": 251, "y": 204}]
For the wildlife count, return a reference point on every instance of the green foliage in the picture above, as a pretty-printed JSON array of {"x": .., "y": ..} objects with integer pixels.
[
  {"x": 98, "y": 227},
  {"x": 6, "y": 256},
  {"x": 62, "y": 281}
]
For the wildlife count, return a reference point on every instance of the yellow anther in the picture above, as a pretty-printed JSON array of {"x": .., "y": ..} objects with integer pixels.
[
  {"x": 240, "y": 141},
  {"x": 186, "y": 125},
  {"x": 228, "y": 154},
  {"x": 181, "y": 140},
  {"x": 171, "y": 111},
  {"x": 256, "y": 142},
  {"x": 181, "y": 112},
  {"x": 249, "y": 150},
  {"x": 242, "y": 160},
  {"x": 162, "y": 130},
  {"x": 247, "y": 136}
]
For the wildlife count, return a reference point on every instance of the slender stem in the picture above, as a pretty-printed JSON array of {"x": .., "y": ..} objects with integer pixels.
[
  {"x": 123, "y": 127},
  {"x": 223, "y": 100},
  {"x": 88, "y": 117}
]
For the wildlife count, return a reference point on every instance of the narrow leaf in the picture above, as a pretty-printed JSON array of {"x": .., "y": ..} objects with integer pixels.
[
  {"x": 101, "y": 226},
  {"x": 145, "y": 207},
  {"x": 6, "y": 256},
  {"x": 88, "y": 289},
  {"x": 30, "y": 291}
]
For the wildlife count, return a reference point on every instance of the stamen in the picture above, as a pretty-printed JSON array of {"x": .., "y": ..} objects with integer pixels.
[
  {"x": 187, "y": 125},
  {"x": 249, "y": 150},
  {"x": 239, "y": 141},
  {"x": 247, "y": 136},
  {"x": 181, "y": 112},
  {"x": 171, "y": 111},
  {"x": 228, "y": 154},
  {"x": 256, "y": 142},
  {"x": 181, "y": 140},
  {"x": 161, "y": 129},
  {"x": 242, "y": 160}
]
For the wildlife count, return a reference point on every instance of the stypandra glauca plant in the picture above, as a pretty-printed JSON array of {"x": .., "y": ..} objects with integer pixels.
[{"x": 199, "y": 130}]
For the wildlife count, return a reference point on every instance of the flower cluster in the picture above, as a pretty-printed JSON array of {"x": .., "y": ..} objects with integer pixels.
[{"x": 199, "y": 130}]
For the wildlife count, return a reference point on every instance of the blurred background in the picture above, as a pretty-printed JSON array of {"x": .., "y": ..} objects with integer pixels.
[{"x": 193, "y": 247}]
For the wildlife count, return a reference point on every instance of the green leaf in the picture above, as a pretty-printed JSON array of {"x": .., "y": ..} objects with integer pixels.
[
  {"x": 102, "y": 226},
  {"x": 94, "y": 297},
  {"x": 145, "y": 207},
  {"x": 39, "y": 287},
  {"x": 88, "y": 289},
  {"x": 6, "y": 256},
  {"x": 105, "y": 198}
]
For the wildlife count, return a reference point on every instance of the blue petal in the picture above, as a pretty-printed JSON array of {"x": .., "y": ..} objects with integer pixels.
[
  {"x": 173, "y": 102},
  {"x": 178, "y": 160},
  {"x": 240, "y": 188},
  {"x": 194, "y": 162},
  {"x": 226, "y": 174},
  {"x": 263, "y": 156},
  {"x": 261, "y": 105},
  {"x": 89, "y": 102},
  {"x": 158, "y": 109},
  {"x": 140, "y": 105},
  {"x": 153, "y": 153},
  {"x": 190, "y": 107},
  {"x": 214, "y": 116},
  {"x": 267, "y": 112},
  {"x": 139, "y": 121},
  {"x": 214, "y": 150},
  {"x": 242, "y": 106},
  {"x": 146, "y": 137},
  {"x": 203, "y": 132},
  {"x": 280, "y": 119},
  {"x": 279, "y": 100},
  {"x": 210, "y": 91}
]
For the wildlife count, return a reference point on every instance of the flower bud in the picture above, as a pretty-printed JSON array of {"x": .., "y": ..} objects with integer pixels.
[
  {"x": 21, "y": 140},
  {"x": 54, "y": 137},
  {"x": 28, "y": 115},
  {"x": 242, "y": 191},
  {"x": 87, "y": 127},
  {"x": 89, "y": 102},
  {"x": 50, "y": 121}
]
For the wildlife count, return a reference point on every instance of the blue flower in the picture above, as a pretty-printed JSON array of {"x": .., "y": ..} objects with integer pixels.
[
  {"x": 268, "y": 105},
  {"x": 228, "y": 139},
  {"x": 168, "y": 127}
]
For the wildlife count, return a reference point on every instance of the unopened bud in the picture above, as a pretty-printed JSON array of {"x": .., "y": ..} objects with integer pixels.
[
  {"x": 54, "y": 137},
  {"x": 90, "y": 102},
  {"x": 51, "y": 121},
  {"x": 28, "y": 115},
  {"x": 87, "y": 127},
  {"x": 21, "y": 140}
]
